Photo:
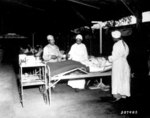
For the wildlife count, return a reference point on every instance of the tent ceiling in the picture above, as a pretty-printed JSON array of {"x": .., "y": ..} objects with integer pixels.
[{"x": 58, "y": 15}]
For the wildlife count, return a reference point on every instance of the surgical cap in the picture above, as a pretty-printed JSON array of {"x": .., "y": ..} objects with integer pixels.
[
  {"x": 116, "y": 34},
  {"x": 79, "y": 36},
  {"x": 49, "y": 37}
]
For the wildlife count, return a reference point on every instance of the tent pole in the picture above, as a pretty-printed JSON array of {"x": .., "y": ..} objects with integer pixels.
[
  {"x": 100, "y": 35},
  {"x": 100, "y": 30},
  {"x": 33, "y": 43}
]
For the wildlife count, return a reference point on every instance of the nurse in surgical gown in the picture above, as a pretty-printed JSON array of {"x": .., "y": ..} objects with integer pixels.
[
  {"x": 78, "y": 52},
  {"x": 120, "y": 68}
]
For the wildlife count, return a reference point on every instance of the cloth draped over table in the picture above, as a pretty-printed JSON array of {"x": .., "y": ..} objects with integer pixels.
[{"x": 64, "y": 66}]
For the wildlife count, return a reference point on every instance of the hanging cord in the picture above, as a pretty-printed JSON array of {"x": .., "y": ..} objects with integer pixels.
[{"x": 33, "y": 44}]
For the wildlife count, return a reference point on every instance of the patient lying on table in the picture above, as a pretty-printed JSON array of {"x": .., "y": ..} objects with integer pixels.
[{"x": 98, "y": 64}]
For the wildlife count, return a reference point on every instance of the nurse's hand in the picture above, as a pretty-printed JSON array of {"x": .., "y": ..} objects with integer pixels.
[
  {"x": 53, "y": 57},
  {"x": 67, "y": 56},
  {"x": 106, "y": 57}
]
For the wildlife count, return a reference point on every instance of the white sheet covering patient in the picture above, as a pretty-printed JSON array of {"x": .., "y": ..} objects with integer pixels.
[{"x": 98, "y": 64}]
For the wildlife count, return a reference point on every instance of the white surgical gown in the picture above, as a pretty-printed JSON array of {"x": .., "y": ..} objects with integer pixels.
[
  {"x": 50, "y": 50},
  {"x": 78, "y": 52},
  {"x": 120, "y": 69}
]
